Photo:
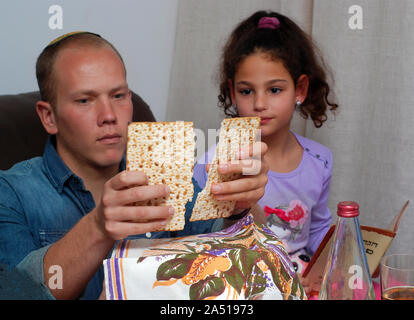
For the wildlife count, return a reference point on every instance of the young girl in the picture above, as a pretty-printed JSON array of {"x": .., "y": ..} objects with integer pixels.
[{"x": 270, "y": 69}]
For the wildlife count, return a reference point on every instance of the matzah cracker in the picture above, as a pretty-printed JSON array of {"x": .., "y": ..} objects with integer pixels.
[
  {"x": 235, "y": 133},
  {"x": 165, "y": 152}
]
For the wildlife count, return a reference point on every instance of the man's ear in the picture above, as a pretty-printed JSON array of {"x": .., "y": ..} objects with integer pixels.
[
  {"x": 302, "y": 86},
  {"x": 47, "y": 116}
]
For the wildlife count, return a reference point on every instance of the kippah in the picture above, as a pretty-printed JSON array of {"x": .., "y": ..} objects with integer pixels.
[{"x": 67, "y": 35}]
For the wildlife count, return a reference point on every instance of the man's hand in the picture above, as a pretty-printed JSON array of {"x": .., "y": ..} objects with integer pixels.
[
  {"x": 117, "y": 216},
  {"x": 247, "y": 190}
]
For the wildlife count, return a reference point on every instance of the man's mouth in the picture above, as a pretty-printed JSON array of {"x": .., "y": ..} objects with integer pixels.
[{"x": 110, "y": 139}]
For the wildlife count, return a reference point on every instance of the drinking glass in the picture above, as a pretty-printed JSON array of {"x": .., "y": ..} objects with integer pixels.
[{"x": 397, "y": 277}]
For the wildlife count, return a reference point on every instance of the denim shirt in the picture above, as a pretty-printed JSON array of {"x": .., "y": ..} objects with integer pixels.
[{"x": 40, "y": 200}]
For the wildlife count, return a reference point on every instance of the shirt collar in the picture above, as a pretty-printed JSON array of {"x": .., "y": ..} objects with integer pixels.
[{"x": 57, "y": 171}]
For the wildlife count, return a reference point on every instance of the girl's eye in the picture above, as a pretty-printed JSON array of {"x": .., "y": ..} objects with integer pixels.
[
  {"x": 274, "y": 90},
  {"x": 245, "y": 92}
]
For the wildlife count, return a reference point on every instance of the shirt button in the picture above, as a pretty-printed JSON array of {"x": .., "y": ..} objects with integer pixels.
[{"x": 148, "y": 234}]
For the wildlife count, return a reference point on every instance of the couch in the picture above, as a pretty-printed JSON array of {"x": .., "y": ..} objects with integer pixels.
[{"x": 22, "y": 134}]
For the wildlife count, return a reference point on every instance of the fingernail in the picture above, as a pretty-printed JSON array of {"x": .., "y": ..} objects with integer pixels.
[
  {"x": 171, "y": 211},
  {"x": 167, "y": 189},
  {"x": 223, "y": 167},
  {"x": 215, "y": 188}
]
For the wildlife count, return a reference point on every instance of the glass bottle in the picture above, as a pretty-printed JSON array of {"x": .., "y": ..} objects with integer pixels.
[{"x": 346, "y": 275}]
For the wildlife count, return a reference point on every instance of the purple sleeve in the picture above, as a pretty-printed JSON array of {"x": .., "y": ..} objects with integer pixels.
[
  {"x": 200, "y": 174},
  {"x": 321, "y": 216}
]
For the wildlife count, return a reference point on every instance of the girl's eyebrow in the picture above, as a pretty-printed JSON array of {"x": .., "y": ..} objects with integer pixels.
[
  {"x": 276, "y": 80},
  {"x": 268, "y": 82}
]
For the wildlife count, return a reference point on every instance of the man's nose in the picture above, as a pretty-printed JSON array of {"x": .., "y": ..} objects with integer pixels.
[{"x": 106, "y": 113}]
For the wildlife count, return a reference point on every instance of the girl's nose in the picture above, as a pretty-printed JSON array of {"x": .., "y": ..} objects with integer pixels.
[{"x": 260, "y": 102}]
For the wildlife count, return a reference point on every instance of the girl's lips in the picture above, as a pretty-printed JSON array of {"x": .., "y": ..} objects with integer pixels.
[{"x": 265, "y": 120}]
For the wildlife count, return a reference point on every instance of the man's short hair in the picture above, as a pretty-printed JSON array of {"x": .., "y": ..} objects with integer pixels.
[{"x": 45, "y": 72}]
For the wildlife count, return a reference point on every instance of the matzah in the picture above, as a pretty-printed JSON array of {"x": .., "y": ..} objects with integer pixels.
[
  {"x": 235, "y": 133},
  {"x": 165, "y": 152}
]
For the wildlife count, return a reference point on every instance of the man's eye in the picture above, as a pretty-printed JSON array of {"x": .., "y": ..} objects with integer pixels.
[
  {"x": 82, "y": 101},
  {"x": 119, "y": 96}
]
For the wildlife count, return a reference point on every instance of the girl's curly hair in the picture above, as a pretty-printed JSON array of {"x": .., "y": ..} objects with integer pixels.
[{"x": 289, "y": 44}]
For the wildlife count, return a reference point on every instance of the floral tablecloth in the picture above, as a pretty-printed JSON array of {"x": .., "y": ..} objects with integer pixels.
[{"x": 244, "y": 261}]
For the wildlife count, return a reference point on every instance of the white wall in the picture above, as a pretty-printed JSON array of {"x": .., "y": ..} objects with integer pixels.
[{"x": 142, "y": 30}]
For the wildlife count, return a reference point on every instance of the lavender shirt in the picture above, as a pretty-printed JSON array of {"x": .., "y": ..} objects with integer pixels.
[{"x": 295, "y": 203}]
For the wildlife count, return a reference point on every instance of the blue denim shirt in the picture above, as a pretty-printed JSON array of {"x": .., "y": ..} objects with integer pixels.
[{"x": 41, "y": 200}]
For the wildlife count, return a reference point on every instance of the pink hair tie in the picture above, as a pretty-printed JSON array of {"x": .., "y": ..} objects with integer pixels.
[{"x": 268, "y": 23}]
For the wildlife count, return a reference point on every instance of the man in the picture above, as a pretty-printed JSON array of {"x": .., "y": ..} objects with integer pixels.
[{"x": 64, "y": 211}]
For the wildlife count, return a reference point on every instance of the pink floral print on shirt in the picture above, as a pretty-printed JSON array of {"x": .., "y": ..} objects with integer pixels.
[{"x": 290, "y": 217}]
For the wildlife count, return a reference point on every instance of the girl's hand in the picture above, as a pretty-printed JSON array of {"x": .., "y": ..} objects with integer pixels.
[{"x": 250, "y": 188}]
